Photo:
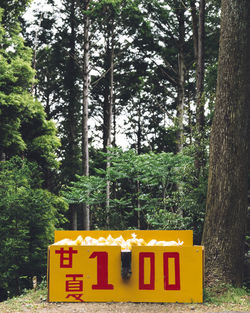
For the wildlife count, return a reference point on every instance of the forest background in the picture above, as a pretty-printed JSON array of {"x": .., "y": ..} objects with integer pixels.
[{"x": 105, "y": 117}]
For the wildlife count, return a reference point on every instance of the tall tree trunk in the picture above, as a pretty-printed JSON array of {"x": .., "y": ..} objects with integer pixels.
[
  {"x": 71, "y": 121},
  {"x": 195, "y": 29},
  {"x": 189, "y": 113},
  {"x": 86, "y": 82},
  {"x": 226, "y": 209},
  {"x": 108, "y": 112},
  {"x": 200, "y": 69},
  {"x": 181, "y": 79},
  {"x": 139, "y": 151},
  {"x": 139, "y": 129},
  {"x": 74, "y": 210},
  {"x": 2, "y": 156},
  {"x": 109, "y": 91},
  {"x": 114, "y": 124},
  {"x": 34, "y": 60},
  {"x": 138, "y": 185}
]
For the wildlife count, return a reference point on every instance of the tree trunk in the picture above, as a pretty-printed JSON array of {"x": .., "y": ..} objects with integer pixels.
[
  {"x": 114, "y": 124},
  {"x": 2, "y": 156},
  {"x": 181, "y": 80},
  {"x": 226, "y": 210},
  {"x": 86, "y": 81},
  {"x": 108, "y": 111},
  {"x": 138, "y": 204},
  {"x": 72, "y": 116},
  {"x": 189, "y": 113},
  {"x": 139, "y": 128},
  {"x": 73, "y": 209},
  {"x": 200, "y": 69},
  {"x": 195, "y": 29},
  {"x": 109, "y": 91},
  {"x": 34, "y": 60}
]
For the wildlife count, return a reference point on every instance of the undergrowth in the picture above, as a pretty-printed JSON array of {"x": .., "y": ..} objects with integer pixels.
[{"x": 224, "y": 293}]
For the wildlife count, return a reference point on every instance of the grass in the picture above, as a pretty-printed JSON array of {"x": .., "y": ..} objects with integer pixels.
[
  {"x": 226, "y": 294},
  {"x": 221, "y": 298},
  {"x": 30, "y": 300}
]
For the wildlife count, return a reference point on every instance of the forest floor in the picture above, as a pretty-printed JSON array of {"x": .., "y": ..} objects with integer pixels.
[{"x": 35, "y": 302}]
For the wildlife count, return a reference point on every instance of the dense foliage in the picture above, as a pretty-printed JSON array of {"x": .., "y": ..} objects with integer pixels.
[
  {"x": 149, "y": 191},
  {"x": 29, "y": 212},
  {"x": 28, "y": 217}
]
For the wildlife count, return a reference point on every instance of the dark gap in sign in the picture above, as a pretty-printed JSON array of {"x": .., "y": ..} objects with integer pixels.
[{"x": 126, "y": 265}]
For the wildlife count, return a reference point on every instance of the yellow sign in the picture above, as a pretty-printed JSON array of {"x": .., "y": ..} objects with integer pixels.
[
  {"x": 183, "y": 235},
  {"x": 94, "y": 273}
]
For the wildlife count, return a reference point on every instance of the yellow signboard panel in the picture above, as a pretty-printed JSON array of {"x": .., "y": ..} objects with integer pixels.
[
  {"x": 94, "y": 274},
  {"x": 183, "y": 235}
]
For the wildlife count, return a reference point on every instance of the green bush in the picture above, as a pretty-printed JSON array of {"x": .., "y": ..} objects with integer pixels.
[
  {"x": 28, "y": 217},
  {"x": 159, "y": 189}
]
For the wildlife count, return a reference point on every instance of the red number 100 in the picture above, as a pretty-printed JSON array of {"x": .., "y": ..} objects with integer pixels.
[{"x": 102, "y": 270}]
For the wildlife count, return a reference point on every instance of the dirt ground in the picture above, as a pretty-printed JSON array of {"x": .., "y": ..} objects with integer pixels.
[
  {"x": 36, "y": 302},
  {"x": 130, "y": 308},
  {"x": 45, "y": 307}
]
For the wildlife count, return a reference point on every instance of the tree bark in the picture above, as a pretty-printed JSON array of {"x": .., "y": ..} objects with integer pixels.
[
  {"x": 139, "y": 128},
  {"x": 73, "y": 209},
  {"x": 2, "y": 156},
  {"x": 195, "y": 29},
  {"x": 181, "y": 80},
  {"x": 226, "y": 210},
  {"x": 71, "y": 121},
  {"x": 109, "y": 93},
  {"x": 108, "y": 113},
  {"x": 114, "y": 124},
  {"x": 86, "y": 82},
  {"x": 138, "y": 185},
  {"x": 34, "y": 60},
  {"x": 200, "y": 70}
]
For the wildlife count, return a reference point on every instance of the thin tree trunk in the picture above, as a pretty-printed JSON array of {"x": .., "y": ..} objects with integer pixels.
[
  {"x": 109, "y": 121},
  {"x": 34, "y": 61},
  {"x": 139, "y": 129},
  {"x": 109, "y": 94},
  {"x": 195, "y": 29},
  {"x": 138, "y": 205},
  {"x": 2, "y": 156},
  {"x": 226, "y": 210},
  {"x": 181, "y": 80},
  {"x": 200, "y": 118},
  {"x": 72, "y": 107},
  {"x": 74, "y": 216},
  {"x": 86, "y": 82},
  {"x": 180, "y": 108},
  {"x": 200, "y": 67},
  {"x": 139, "y": 150},
  {"x": 114, "y": 124},
  {"x": 190, "y": 115}
]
